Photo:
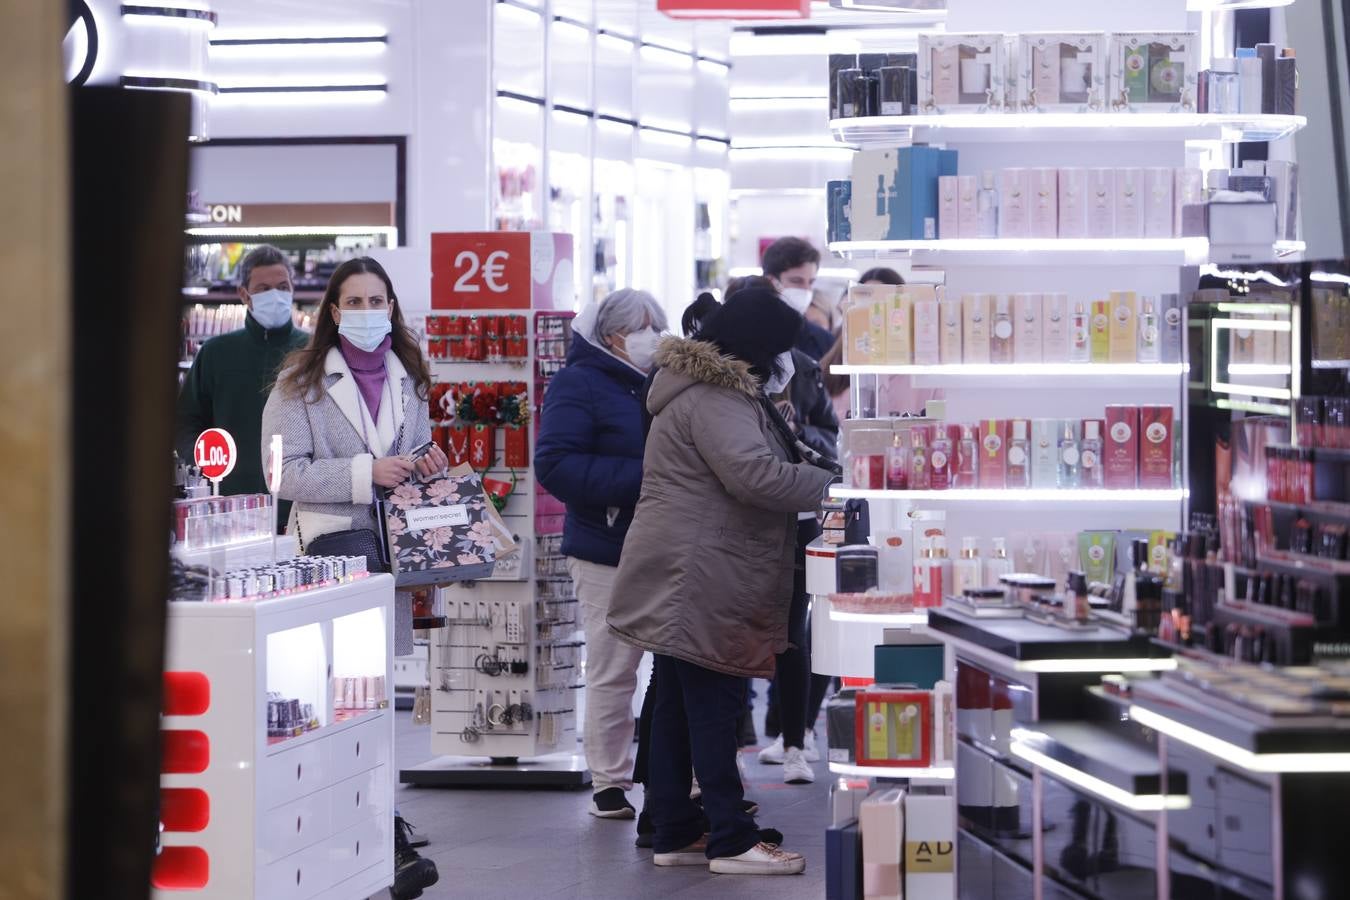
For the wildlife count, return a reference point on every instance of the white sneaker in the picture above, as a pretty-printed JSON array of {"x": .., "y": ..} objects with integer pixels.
[
  {"x": 809, "y": 748},
  {"x": 696, "y": 854},
  {"x": 761, "y": 859},
  {"x": 796, "y": 770},
  {"x": 772, "y": 755}
]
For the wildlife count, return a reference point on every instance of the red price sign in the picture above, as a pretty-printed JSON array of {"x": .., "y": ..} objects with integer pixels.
[
  {"x": 480, "y": 270},
  {"x": 215, "y": 453}
]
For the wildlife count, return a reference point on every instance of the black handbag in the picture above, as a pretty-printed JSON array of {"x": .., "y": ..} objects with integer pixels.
[{"x": 368, "y": 542}]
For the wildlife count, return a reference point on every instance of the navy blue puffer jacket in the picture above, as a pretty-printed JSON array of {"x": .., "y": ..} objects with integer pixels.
[{"x": 590, "y": 449}]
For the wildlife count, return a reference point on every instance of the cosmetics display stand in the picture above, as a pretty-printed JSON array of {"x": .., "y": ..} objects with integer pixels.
[
  {"x": 506, "y": 668},
  {"x": 311, "y": 814}
]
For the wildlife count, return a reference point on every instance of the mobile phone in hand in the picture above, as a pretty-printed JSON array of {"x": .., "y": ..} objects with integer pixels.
[{"x": 421, "y": 451}]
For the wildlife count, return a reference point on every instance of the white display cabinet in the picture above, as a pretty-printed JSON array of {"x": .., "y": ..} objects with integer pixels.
[{"x": 307, "y": 815}]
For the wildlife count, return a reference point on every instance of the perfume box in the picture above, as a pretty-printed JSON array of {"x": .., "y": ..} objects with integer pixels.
[
  {"x": 1013, "y": 206},
  {"x": 976, "y": 310},
  {"x": 1044, "y": 453},
  {"x": 1189, "y": 189},
  {"x": 949, "y": 207},
  {"x": 1027, "y": 325},
  {"x": 1129, "y": 203},
  {"x": 1121, "y": 463},
  {"x": 930, "y": 852},
  {"x": 865, "y": 323},
  {"x": 1073, "y": 203},
  {"x": 926, "y": 332},
  {"x": 1100, "y": 200},
  {"x": 962, "y": 73},
  {"x": 950, "y": 327},
  {"x": 882, "y": 819},
  {"x": 874, "y": 194},
  {"x": 1061, "y": 72},
  {"x": 967, "y": 212},
  {"x": 1284, "y": 187},
  {"x": 1056, "y": 328},
  {"x": 914, "y": 215},
  {"x": 1153, "y": 71},
  {"x": 1250, "y": 82},
  {"x": 1159, "y": 208},
  {"x": 899, "y": 319},
  {"x": 1169, "y": 328},
  {"x": 1242, "y": 223},
  {"x": 837, "y": 63},
  {"x": 1155, "y": 446},
  {"x": 1124, "y": 330},
  {"x": 1001, "y": 330},
  {"x": 837, "y": 214},
  {"x": 1286, "y": 85},
  {"x": 993, "y": 468},
  {"x": 1044, "y": 202},
  {"x": 1099, "y": 331},
  {"x": 1267, "y": 54}
]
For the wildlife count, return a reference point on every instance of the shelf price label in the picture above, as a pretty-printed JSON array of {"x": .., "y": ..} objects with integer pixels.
[
  {"x": 480, "y": 270},
  {"x": 215, "y": 454}
]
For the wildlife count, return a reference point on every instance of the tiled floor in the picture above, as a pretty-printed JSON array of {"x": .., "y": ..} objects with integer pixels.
[{"x": 518, "y": 845}]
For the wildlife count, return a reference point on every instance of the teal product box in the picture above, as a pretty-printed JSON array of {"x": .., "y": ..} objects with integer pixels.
[
  {"x": 838, "y": 226},
  {"x": 916, "y": 664},
  {"x": 915, "y": 215}
]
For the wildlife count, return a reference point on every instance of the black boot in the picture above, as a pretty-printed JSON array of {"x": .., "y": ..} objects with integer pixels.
[{"x": 412, "y": 873}]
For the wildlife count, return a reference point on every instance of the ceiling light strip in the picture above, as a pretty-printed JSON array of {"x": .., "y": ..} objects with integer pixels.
[
  {"x": 171, "y": 12},
  {"x": 1273, "y": 763},
  {"x": 292, "y": 41},
  {"x": 160, "y": 83},
  {"x": 376, "y": 87}
]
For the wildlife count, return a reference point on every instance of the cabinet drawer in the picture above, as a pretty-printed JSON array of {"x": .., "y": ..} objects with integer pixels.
[
  {"x": 360, "y": 797},
  {"x": 293, "y": 826},
  {"x": 299, "y": 876},
  {"x": 361, "y": 747},
  {"x": 361, "y": 847},
  {"x": 293, "y": 774}
]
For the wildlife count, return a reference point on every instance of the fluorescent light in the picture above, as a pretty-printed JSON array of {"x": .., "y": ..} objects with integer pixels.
[
  {"x": 298, "y": 47},
  {"x": 519, "y": 104},
  {"x": 933, "y": 773},
  {"x": 1259, "y": 369},
  {"x": 713, "y": 66},
  {"x": 1098, "y": 787},
  {"x": 710, "y": 144},
  {"x": 1144, "y": 126},
  {"x": 177, "y": 16},
  {"x": 389, "y": 231},
  {"x": 526, "y": 15},
  {"x": 1105, "y": 370},
  {"x": 1225, "y": 5},
  {"x": 573, "y": 24},
  {"x": 616, "y": 41},
  {"x": 1045, "y": 496},
  {"x": 299, "y": 32},
  {"x": 658, "y": 54},
  {"x": 620, "y": 128},
  {"x": 909, "y": 618},
  {"x": 1231, "y": 753},
  {"x": 1236, "y": 275},
  {"x": 770, "y": 104},
  {"x": 1070, "y": 666},
  {"x": 329, "y": 97},
  {"x": 1330, "y": 278},
  {"x": 663, "y": 136}
]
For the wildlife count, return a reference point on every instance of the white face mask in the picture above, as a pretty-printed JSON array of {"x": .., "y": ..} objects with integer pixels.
[
  {"x": 641, "y": 347},
  {"x": 777, "y": 383},
  {"x": 271, "y": 308},
  {"x": 797, "y": 298},
  {"x": 365, "y": 327}
]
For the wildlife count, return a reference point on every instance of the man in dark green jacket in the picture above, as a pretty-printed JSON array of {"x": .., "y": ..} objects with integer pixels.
[{"x": 233, "y": 373}]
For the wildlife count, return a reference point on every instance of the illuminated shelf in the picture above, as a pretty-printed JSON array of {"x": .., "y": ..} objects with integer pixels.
[
  {"x": 1023, "y": 370},
  {"x": 1068, "y": 251},
  {"x": 919, "y": 617},
  {"x": 935, "y": 773},
  {"x": 1001, "y": 128},
  {"x": 1043, "y": 496},
  {"x": 1259, "y": 369},
  {"x": 1226, "y": 5}
]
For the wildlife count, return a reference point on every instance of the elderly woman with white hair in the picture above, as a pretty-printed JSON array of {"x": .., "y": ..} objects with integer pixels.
[{"x": 589, "y": 456}]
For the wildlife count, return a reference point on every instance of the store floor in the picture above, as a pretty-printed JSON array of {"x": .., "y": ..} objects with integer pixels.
[{"x": 519, "y": 845}]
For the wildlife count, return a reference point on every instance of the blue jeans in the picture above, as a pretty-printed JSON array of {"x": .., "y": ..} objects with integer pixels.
[{"x": 694, "y": 725}]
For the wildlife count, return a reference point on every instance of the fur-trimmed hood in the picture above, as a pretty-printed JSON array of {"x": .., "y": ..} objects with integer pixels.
[{"x": 685, "y": 362}]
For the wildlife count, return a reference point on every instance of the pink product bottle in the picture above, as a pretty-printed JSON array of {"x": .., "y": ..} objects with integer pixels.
[
  {"x": 965, "y": 472},
  {"x": 940, "y": 460},
  {"x": 919, "y": 467},
  {"x": 897, "y": 463}
]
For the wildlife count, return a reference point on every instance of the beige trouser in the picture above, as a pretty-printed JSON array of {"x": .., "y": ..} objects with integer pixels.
[{"x": 611, "y": 679}]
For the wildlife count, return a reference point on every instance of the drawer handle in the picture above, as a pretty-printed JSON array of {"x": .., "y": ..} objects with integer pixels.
[
  {"x": 297, "y": 876},
  {"x": 358, "y": 799},
  {"x": 297, "y": 824},
  {"x": 297, "y": 770},
  {"x": 358, "y": 848},
  {"x": 358, "y": 748}
]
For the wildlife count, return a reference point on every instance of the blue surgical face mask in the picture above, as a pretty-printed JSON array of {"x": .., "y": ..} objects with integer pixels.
[
  {"x": 272, "y": 309},
  {"x": 365, "y": 327}
]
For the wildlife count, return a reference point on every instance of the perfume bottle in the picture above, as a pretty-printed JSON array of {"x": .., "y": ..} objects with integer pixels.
[
  {"x": 940, "y": 460},
  {"x": 986, "y": 207},
  {"x": 1090, "y": 455},
  {"x": 1001, "y": 331},
  {"x": 998, "y": 565},
  {"x": 918, "y": 459},
  {"x": 1068, "y": 456},
  {"x": 1080, "y": 350},
  {"x": 897, "y": 464},
  {"x": 966, "y": 475},
  {"x": 967, "y": 570},
  {"x": 1148, "y": 351},
  {"x": 1019, "y": 456},
  {"x": 944, "y": 568}
]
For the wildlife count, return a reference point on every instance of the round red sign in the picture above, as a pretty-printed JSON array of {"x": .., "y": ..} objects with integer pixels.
[{"x": 214, "y": 453}]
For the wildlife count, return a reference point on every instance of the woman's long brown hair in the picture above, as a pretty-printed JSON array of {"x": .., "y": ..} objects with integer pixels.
[{"x": 302, "y": 372}]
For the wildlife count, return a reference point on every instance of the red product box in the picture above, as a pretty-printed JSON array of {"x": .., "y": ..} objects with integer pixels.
[
  {"x": 1121, "y": 463},
  {"x": 993, "y": 466},
  {"x": 869, "y": 471},
  {"x": 1155, "y": 446}
]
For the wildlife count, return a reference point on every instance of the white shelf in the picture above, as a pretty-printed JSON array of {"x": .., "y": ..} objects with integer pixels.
[
  {"x": 1041, "y": 496},
  {"x": 909, "y": 619},
  {"x": 894, "y": 131},
  {"x": 1066, "y": 251},
  {"x": 1113, "y": 371},
  {"x": 933, "y": 773}
]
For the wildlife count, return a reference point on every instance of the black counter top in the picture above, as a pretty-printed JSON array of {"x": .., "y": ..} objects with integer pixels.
[
  {"x": 1105, "y": 755},
  {"x": 1025, "y": 640}
]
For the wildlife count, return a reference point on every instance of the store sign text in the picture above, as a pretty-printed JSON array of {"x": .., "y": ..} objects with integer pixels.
[{"x": 223, "y": 214}]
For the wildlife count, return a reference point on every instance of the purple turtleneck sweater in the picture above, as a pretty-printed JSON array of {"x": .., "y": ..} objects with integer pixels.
[{"x": 368, "y": 370}]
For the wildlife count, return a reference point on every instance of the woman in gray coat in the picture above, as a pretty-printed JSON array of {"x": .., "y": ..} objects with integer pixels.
[
  {"x": 706, "y": 573},
  {"x": 350, "y": 407}
]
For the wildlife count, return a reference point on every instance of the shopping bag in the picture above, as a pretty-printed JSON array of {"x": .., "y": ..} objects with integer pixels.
[{"x": 443, "y": 528}]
